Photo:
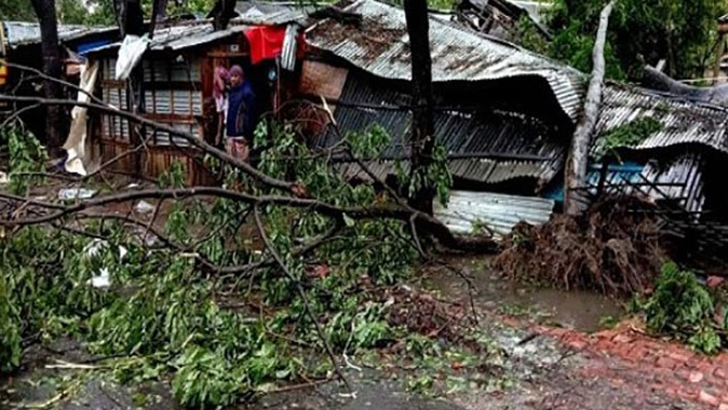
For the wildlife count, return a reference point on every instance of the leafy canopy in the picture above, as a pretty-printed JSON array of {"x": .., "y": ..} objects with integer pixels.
[{"x": 683, "y": 32}]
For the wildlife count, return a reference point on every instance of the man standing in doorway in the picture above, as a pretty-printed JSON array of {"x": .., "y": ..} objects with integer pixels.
[{"x": 241, "y": 119}]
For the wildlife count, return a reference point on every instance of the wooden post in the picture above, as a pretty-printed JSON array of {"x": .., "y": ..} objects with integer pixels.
[{"x": 578, "y": 159}]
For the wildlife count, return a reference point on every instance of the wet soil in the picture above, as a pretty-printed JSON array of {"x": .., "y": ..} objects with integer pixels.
[{"x": 580, "y": 310}]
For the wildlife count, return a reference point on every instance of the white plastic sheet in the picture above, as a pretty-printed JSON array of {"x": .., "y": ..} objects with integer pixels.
[
  {"x": 75, "y": 146},
  {"x": 70, "y": 194},
  {"x": 130, "y": 54}
]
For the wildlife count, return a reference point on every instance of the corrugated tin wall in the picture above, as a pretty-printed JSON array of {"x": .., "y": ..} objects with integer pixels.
[
  {"x": 497, "y": 146},
  {"x": 173, "y": 95},
  {"x": 469, "y": 211}
]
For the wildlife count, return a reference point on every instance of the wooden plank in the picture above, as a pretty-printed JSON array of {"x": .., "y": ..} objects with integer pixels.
[
  {"x": 172, "y": 118},
  {"x": 174, "y": 85},
  {"x": 228, "y": 54}
]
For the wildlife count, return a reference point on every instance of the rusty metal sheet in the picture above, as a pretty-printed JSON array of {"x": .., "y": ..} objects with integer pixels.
[{"x": 381, "y": 47}]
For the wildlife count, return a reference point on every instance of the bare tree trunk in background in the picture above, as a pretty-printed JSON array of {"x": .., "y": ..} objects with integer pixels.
[
  {"x": 222, "y": 12},
  {"x": 130, "y": 17},
  {"x": 159, "y": 12},
  {"x": 578, "y": 159},
  {"x": 46, "y": 12},
  {"x": 422, "y": 138}
]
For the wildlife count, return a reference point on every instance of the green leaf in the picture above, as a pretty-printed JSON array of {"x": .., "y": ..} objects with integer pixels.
[{"x": 349, "y": 221}]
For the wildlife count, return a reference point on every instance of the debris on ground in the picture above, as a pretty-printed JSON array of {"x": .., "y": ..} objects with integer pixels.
[
  {"x": 611, "y": 249},
  {"x": 421, "y": 313},
  {"x": 70, "y": 194},
  {"x": 144, "y": 207}
]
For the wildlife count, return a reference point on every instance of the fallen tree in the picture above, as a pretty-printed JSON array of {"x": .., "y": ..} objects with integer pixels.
[
  {"x": 578, "y": 158},
  {"x": 658, "y": 80},
  {"x": 265, "y": 228},
  {"x": 611, "y": 248}
]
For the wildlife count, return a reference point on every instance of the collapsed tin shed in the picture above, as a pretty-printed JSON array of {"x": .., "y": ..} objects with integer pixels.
[{"x": 504, "y": 114}]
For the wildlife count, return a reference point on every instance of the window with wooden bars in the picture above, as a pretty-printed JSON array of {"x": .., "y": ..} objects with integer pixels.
[{"x": 172, "y": 95}]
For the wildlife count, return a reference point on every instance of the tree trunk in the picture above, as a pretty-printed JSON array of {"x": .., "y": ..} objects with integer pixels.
[
  {"x": 46, "y": 12},
  {"x": 422, "y": 138},
  {"x": 159, "y": 13},
  {"x": 578, "y": 160},
  {"x": 222, "y": 12},
  {"x": 656, "y": 80}
]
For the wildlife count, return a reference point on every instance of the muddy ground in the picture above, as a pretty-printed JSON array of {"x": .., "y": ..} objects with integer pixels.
[{"x": 536, "y": 370}]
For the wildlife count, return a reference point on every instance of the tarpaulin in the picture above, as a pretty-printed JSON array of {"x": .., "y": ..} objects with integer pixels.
[
  {"x": 76, "y": 144},
  {"x": 130, "y": 54},
  {"x": 265, "y": 42}
]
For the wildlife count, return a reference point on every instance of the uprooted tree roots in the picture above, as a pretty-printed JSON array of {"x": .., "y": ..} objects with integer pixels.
[{"x": 614, "y": 248}]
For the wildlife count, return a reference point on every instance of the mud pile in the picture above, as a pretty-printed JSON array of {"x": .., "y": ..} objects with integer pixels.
[{"x": 615, "y": 248}]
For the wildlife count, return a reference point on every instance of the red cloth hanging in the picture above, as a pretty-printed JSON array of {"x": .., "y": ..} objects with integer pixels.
[{"x": 265, "y": 42}]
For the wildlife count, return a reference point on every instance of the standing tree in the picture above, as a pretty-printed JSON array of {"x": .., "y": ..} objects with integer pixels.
[
  {"x": 45, "y": 10},
  {"x": 422, "y": 138}
]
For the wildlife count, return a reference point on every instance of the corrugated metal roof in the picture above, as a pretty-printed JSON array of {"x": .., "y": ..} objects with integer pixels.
[
  {"x": 381, "y": 46},
  {"x": 272, "y": 13},
  {"x": 18, "y": 33},
  {"x": 684, "y": 122},
  {"x": 498, "y": 212},
  {"x": 535, "y": 9},
  {"x": 504, "y": 146},
  {"x": 182, "y": 36}
]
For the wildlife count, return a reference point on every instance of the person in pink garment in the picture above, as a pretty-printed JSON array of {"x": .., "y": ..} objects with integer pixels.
[{"x": 219, "y": 85}]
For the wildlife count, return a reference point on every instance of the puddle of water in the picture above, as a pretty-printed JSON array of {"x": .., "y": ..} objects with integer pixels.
[{"x": 579, "y": 310}]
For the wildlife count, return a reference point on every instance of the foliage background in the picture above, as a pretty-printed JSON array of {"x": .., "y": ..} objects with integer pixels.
[{"x": 683, "y": 32}]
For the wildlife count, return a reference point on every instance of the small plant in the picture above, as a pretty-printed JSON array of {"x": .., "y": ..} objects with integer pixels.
[
  {"x": 27, "y": 155},
  {"x": 682, "y": 307}
]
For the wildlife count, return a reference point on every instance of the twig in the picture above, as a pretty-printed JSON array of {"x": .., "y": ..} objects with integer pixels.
[
  {"x": 302, "y": 293},
  {"x": 285, "y": 389},
  {"x": 192, "y": 139},
  {"x": 17, "y": 114},
  {"x": 46, "y": 77},
  {"x": 61, "y": 364},
  {"x": 50, "y": 402}
]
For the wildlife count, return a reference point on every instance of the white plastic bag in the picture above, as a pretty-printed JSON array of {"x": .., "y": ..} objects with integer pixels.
[{"x": 130, "y": 54}]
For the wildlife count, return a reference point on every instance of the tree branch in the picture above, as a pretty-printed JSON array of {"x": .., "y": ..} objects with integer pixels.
[
  {"x": 193, "y": 140},
  {"x": 301, "y": 292}
]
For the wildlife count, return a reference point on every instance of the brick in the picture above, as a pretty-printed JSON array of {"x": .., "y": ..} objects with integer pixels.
[
  {"x": 679, "y": 356},
  {"x": 720, "y": 373},
  {"x": 622, "y": 338},
  {"x": 682, "y": 374},
  {"x": 688, "y": 394},
  {"x": 637, "y": 354},
  {"x": 708, "y": 399},
  {"x": 666, "y": 363},
  {"x": 578, "y": 344},
  {"x": 604, "y": 345},
  {"x": 696, "y": 377}
]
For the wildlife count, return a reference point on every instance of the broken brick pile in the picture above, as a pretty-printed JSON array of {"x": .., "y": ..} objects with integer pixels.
[{"x": 626, "y": 356}]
